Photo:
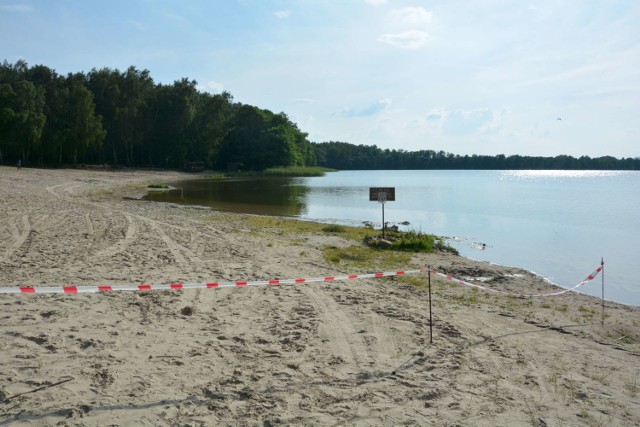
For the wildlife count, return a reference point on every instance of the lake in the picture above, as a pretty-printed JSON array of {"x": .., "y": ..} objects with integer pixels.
[{"x": 555, "y": 223}]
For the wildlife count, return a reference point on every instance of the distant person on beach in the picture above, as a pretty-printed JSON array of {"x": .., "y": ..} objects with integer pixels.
[{"x": 19, "y": 164}]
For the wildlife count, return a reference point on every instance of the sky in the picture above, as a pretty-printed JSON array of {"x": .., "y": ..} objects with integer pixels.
[{"x": 539, "y": 78}]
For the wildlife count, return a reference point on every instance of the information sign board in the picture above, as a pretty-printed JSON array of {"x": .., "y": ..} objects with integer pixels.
[{"x": 382, "y": 194}]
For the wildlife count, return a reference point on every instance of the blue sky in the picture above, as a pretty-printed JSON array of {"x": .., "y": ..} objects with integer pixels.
[{"x": 467, "y": 77}]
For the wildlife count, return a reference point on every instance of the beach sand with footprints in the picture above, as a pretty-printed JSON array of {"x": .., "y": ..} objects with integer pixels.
[{"x": 356, "y": 352}]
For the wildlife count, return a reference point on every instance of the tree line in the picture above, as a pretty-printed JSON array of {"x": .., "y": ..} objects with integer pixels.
[
  {"x": 346, "y": 156},
  {"x": 124, "y": 118},
  {"x": 107, "y": 116}
]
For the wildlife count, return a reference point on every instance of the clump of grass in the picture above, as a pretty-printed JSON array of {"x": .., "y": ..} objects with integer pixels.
[
  {"x": 467, "y": 298},
  {"x": 362, "y": 256},
  {"x": 334, "y": 228},
  {"x": 215, "y": 176},
  {"x": 587, "y": 313},
  {"x": 416, "y": 281},
  {"x": 411, "y": 241},
  {"x": 296, "y": 171},
  {"x": 157, "y": 186},
  {"x": 292, "y": 226},
  {"x": 416, "y": 242}
]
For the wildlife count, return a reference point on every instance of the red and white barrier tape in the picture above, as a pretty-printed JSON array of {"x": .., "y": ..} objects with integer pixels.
[
  {"x": 175, "y": 286},
  {"x": 451, "y": 279}
]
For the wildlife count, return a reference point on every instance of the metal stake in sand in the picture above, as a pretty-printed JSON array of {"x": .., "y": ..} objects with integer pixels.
[
  {"x": 430, "y": 318},
  {"x": 602, "y": 266}
]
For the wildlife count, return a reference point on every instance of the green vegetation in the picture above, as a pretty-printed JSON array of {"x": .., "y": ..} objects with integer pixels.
[
  {"x": 215, "y": 176},
  {"x": 290, "y": 171},
  {"x": 357, "y": 255},
  {"x": 291, "y": 226},
  {"x": 409, "y": 241},
  {"x": 297, "y": 171},
  {"x": 346, "y": 156},
  {"x": 364, "y": 257},
  {"x": 124, "y": 118},
  {"x": 334, "y": 228},
  {"x": 157, "y": 186}
]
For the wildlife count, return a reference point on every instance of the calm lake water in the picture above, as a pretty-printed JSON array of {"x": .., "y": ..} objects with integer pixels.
[{"x": 556, "y": 223}]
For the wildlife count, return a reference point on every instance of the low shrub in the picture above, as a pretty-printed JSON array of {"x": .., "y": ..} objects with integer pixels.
[
  {"x": 334, "y": 228},
  {"x": 410, "y": 241}
]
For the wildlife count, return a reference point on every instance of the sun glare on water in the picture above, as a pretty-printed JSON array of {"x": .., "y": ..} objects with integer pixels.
[{"x": 555, "y": 174}]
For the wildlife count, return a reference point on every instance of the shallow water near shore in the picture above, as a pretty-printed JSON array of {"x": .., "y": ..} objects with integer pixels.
[{"x": 558, "y": 224}]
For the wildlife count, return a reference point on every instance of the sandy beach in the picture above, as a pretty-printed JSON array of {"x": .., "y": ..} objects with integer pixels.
[{"x": 341, "y": 353}]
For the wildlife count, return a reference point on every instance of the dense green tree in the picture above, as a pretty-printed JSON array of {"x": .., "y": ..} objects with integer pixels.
[
  {"x": 122, "y": 99},
  {"x": 259, "y": 139},
  {"x": 172, "y": 110},
  {"x": 21, "y": 119},
  {"x": 209, "y": 127},
  {"x": 54, "y": 110},
  {"x": 84, "y": 133}
]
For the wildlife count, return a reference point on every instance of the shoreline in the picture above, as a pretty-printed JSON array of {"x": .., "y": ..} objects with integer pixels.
[
  {"x": 354, "y": 353},
  {"x": 550, "y": 282},
  {"x": 564, "y": 261}
]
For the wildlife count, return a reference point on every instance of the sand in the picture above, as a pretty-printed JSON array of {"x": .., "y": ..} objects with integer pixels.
[{"x": 342, "y": 353}]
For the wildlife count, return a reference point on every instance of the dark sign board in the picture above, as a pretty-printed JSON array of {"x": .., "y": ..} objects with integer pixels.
[{"x": 384, "y": 194}]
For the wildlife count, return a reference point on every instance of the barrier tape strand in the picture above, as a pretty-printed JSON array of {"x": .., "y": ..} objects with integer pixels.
[
  {"x": 70, "y": 289},
  {"x": 452, "y": 279},
  {"x": 176, "y": 286}
]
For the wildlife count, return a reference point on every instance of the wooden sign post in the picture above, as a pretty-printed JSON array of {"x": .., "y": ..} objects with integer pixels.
[{"x": 382, "y": 195}]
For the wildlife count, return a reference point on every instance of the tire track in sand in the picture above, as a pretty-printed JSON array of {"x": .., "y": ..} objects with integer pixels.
[
  {"x": 120, "y": 245},
  {"x": 181, "y": 253},
  {"x": 338, "y": 332},
  {"x": 21, "y": 236}
]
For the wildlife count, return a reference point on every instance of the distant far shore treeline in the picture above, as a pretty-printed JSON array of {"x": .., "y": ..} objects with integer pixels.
[
  {"x": 109, "y": 117},
  {"x": 345, "y": 156}
]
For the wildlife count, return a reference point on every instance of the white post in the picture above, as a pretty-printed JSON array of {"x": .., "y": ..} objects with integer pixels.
[{"x": 602, "y": 266}]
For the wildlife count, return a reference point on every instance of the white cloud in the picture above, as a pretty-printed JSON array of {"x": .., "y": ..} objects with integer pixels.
[
  {"x": 412, "y": 39},
  {"x": 16, "y": 8},
  {"x": 212, "y": 87},
  {"x": 369, "y": 110},
  {"x": 377, "y": 2},
  {"x": 483, "y": 120},
  {"x": 438, "y": 113},
  {"x": 463, "y": 122},
  {"x": 282, "y": 14},
  {"x": 406, "y": 27},
  {"x": 411, "y": 16}
]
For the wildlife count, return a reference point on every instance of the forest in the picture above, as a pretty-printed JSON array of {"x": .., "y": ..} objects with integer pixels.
[{"x": 125, "y": 119}]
